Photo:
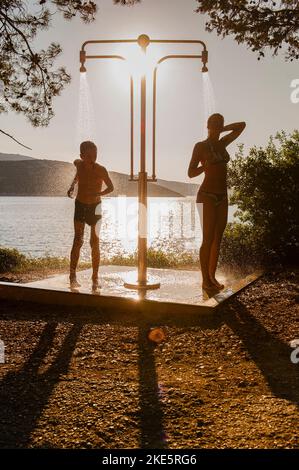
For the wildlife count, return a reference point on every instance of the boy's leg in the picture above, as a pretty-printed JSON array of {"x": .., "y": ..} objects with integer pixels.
[
  {"x": 75, "y": 252},
  {"x": 95, "y": 252}
]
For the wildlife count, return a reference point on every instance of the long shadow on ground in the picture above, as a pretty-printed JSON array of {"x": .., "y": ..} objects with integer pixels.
[
  {"x": 270, "y": 354},
  {"x": 151, "y": 411},
  {"x": 19, "y": 419},
  {"x": 25, "y": 393}
]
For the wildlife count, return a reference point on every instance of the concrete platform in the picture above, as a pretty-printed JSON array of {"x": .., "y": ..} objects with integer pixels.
[{"x": 180, "y": 291}]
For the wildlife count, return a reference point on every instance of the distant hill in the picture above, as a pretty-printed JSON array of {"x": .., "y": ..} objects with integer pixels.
[
  {"x": 186, "y": 189},
  {"x": 14, "y": 157},
  {"x": 35, "y": 177},
  {"x": 123, "y": 186},
  {"x": 22, "y": 175}
]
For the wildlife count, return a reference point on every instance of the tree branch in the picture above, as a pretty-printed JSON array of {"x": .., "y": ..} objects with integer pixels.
[
  {"x": 11, "y": 137},
  {"x": 33, "y": 55}
]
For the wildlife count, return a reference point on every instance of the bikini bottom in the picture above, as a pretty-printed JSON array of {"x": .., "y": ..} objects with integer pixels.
[{"x": 216, "y": 198}]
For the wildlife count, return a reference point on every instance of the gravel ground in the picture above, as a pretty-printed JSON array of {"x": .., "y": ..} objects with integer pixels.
[{"x": 80, "y": 378}]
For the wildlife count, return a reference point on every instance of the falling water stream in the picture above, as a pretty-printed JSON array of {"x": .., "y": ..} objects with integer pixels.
[
  {"x": 86, "y": 116},
  {"x": 209, "y": 101}
]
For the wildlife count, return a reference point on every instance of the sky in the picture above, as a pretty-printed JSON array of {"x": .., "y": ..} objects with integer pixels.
[{"x": 257, "y": 92}]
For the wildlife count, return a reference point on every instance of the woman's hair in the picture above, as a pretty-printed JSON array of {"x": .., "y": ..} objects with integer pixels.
[
  {"x": 86, "y": 145},
  {"x": 216, "y": 117}
]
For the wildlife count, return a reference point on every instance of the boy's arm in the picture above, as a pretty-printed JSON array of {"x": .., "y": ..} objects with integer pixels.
[
  {"x": 72, "y": 186},
  {"x": 108, "y": 182},
  {"x": 75, "y": 180}
]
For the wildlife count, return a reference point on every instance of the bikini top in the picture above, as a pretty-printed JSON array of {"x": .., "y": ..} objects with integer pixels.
[{"x": 217, "y": 156}]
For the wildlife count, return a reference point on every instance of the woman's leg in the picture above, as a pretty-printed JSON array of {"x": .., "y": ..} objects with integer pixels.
[
  {"x": 221, "y": 221},
  {"x": 207, "y": 212}
]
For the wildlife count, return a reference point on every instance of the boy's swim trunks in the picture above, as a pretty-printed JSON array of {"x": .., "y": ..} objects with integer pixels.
[{"x": 87, "y": 213}]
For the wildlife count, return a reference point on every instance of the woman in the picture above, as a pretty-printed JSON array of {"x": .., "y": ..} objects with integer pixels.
[{"x": 212, "y": 194}]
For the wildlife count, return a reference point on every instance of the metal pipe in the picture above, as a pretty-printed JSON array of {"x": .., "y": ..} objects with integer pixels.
[
  {"x": 162, "y": 41},
  {"x": 178, "y": 56},
  {"x": 143, "y": 124},
  {"x": 180, "y": 41},
  {"x": 142, "y": 283},
  {"x": 105, "y": 57},
  {"x": 142, "y": 190},
  {"x": 107, "y": 41},
  {"x": 132, "y": 128}
]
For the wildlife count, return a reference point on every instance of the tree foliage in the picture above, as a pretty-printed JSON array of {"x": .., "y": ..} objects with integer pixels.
[
  {"x": 28, "y": 77},
  {"x": 126, "y": 2},
  {"x": 265, "y": 187},
  {"x": 29, "y": 80},
  {"x": 260, "y": 24}
]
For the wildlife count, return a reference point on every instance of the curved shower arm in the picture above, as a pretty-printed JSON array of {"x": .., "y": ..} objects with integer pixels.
[
  {"x": 107, "y": 41},
  {"x": 177, "y": 56},
  {"x": 181, "y": 41},
  {"x": 163, "y": 59},
  {"x": 119, "y": 57}
]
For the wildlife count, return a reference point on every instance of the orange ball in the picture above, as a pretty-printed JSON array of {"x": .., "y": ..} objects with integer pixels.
[{"x": 156, "y": 335}]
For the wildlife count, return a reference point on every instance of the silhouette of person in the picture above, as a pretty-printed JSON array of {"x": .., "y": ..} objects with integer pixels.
[
  {"x": 90, "y": 177},
  {"x": 211, "y": 157}
]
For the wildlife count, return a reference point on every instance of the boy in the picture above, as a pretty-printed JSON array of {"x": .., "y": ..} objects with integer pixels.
[{"x": 89, "y": 176}]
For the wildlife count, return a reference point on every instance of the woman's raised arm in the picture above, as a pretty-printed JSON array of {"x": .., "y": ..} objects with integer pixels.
[{"x": 236, "y": 127}]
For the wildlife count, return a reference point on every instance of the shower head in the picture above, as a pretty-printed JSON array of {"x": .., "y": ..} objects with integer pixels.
[
  {"x": 204, "y": 58},
  {"x": 82, "y": 61}
]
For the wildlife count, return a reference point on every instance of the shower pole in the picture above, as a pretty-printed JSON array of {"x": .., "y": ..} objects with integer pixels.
[{"x": 142, "y": 284}]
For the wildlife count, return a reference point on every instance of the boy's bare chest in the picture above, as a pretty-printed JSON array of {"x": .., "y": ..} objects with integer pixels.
[{"x": 89, "y": 175}]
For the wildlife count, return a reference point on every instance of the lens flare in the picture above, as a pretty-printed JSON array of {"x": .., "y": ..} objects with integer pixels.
[{"x": 138, "y": 63}]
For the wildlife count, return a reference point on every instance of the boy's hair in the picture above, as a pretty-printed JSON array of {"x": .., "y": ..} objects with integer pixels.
[{"x": 86, "y": 145}]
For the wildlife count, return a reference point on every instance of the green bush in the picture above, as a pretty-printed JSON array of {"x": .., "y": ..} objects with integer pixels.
[
  {"x": 10, "y": 259},
  {"x": 156, "y": 258},
  {"x": 265, "y": 187},
  {"x": 122, "y": 260},
  {"x": 239, "y": 249},
  {"x": 13, "y": 260}
]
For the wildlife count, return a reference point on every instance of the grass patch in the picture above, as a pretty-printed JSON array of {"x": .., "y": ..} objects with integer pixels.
[
  {"x": 156, "y": 258},
  {"x": 11, "y": 260}
]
